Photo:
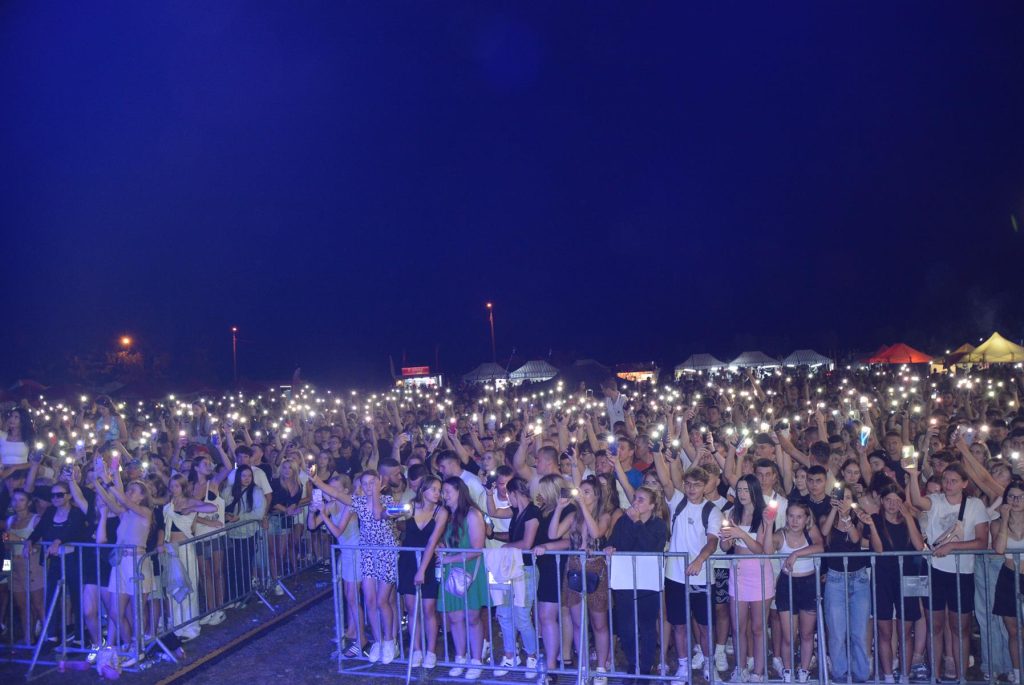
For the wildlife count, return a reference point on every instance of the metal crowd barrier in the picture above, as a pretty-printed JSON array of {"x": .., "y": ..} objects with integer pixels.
[
  {"x": 832, "y": 623},
  {"x": 291, "y": 548},
  {"x": 194, "y": 580}
]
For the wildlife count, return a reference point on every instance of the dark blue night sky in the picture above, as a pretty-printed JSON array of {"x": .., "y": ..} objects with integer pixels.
[{"x": 625, "y": 181}]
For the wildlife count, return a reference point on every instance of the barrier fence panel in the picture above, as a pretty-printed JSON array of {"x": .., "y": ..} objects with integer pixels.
[
  {"x": 90, "y": 597},
  {"x": 853, "y": 617}
]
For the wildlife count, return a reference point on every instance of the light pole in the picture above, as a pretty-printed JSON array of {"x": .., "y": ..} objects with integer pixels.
[
  {"x": 490, "y": 316},
  {"x": 234, "y": 352}
]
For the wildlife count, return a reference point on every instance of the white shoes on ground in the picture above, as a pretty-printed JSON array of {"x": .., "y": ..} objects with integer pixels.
[
  {"x": 459, "y": 668},
  {"x": 474, "y": 670},
  {"x": 506, "y": 663}
]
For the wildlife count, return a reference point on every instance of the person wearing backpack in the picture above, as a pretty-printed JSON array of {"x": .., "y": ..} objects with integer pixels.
[{"x": 694, "y": 523}]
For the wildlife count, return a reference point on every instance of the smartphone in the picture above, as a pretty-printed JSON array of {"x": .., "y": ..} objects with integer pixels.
[
  {"x": 865, "y": 433},
  {"x": 908, "y": 457},
  {"x": 318, "y": 497},
  {"x": 566, "y": 493},
  {"x": 215, "y": 439},
  {"x": 838, "y": 491}
]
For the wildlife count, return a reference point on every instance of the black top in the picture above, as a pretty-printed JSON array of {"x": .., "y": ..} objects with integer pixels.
[
  {"x": 73, "y": 529},
  {"x": 895, "y": 538},
  {"x": 839, "y": 543},
  {"x": 281, "y": 495},
  {"x": 542, "y": 538},
  {"x": 630, "y": 536},
  {"x": 517, "y": 527},
  {"x": 819, "y": 509}
]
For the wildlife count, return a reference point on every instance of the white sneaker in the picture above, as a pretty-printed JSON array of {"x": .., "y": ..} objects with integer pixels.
[
  {"x": 506, "y": 663},
  {"x": 485, "y": 651},
  {"x": 698, "y": 658},
  {"x": 599, "y": 676},
  {"x": 416, "y": 659},
  {"x": 705, "y": 673},
  {"x": 729, "y": 649},
  {"x": 456, "y": 671},
  {"x": 777, "y": 665},
  {"x": 721, "y": 661},
  {"x": 755, "y": 678},
  {"x": 205, "y": 620},
  {"x": 531, "y": 664},
  {"x": 388, "y": 653},
  {"x": 682, "y": 673},
  {"x": 374, "y": 654},
  {"x": 429, "y": 660},
  {"x": 217, "y": 617},
  {"x": 802, "y": 676},
  {"x": 738, "y": 675},
  {"x": 750, "y": 665},
  {"x": 1013, "y": 677},
  {"x": 278, "y": 590},
  {"x": 888, "y": 678},
  {"x": 474, "y": 672},
  {"x": 787, "y": 675}
]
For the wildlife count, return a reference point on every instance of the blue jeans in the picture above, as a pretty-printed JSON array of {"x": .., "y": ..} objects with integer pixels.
[
  {"x": 512, "y": 618},
  {"x": 847, "y": 604},
  {"x": 994, "y": 660}
]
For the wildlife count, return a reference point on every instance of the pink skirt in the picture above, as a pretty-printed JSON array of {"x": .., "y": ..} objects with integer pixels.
[{"x": 748, "y": 586}]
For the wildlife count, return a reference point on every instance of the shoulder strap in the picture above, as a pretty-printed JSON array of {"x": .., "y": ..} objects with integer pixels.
[
  {"x": 705, "y": 513},
  {"x": 807, "y": 537},
  {"x": 963, "y": 507},
  {"x": 679, "y": 510}
]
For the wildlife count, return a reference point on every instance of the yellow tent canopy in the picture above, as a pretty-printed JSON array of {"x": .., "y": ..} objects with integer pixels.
[{"x": 995, "y": 350}]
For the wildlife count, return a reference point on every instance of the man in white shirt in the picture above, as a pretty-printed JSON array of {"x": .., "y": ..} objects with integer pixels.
[
  {"x": 450, "y": 466},
  {"x": 614, "y": 402},
  {"x": 695, "y": 523},
  {"x": 956, "y": 523}
]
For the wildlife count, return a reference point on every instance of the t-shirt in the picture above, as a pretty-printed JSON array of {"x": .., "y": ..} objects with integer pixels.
[
  {"x": 689, "y": 535},
  {"x": 517, "y": 527},
  {"x": 616, "y": 409},
  {"x": 476, "y": 489},
  {"x": 943, "y": 516},
  {"x": 819, "y": 509}
]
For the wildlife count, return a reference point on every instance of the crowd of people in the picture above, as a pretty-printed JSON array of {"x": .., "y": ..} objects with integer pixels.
[{"x": 864, "y": 521}]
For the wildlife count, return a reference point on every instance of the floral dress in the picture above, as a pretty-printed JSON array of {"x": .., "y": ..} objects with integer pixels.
[{"x": 379, "y": 564}]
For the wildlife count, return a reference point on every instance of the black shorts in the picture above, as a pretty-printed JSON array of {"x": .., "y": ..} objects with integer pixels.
[
  {"x": 676, "y": 599},
  {"x": 887, "y": 599},
  {"x": 1007, "y": 596},
  {"x": 805, "y": 595},
  {"x": 720, "y": 593},
  {"x": 944, "y": 592}
]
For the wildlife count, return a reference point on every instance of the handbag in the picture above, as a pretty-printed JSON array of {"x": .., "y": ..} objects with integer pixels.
[
  {"x": 459, "y": 579},
  {"x": 574, "y": 579},
  {"x": 116, "y": 554}
]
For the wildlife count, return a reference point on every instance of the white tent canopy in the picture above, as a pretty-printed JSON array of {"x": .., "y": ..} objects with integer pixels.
[
  {"x": 699, "y": 362},
  {"x": 485, "y": 373},
  {"x": 535, "y": 370},
  {"x": 756, "y": 359},
  {"x": 806, "y": 358}
]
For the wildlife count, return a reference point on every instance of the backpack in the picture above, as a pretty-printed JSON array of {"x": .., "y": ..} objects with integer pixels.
[{"x": 705, "y": 513}]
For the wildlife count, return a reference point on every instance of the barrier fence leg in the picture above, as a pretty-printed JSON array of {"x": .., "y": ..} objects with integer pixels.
[{"x": 412, "y": 634}]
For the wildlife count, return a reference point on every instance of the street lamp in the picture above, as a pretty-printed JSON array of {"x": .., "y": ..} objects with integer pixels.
[
  {"x": 490, "y": 316},
  {"x": 234, "y": 353},
  {"x": 126, "y": 341}
]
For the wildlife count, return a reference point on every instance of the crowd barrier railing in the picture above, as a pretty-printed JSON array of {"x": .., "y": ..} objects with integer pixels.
[
  {"x": 289, "y": 548},
  {"x": 171, "y": 590},
  {"x": 843, "y": 597}
]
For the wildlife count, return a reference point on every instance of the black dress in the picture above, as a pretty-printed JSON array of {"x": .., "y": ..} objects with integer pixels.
[
  {"x": 549, "y": 566},
  {"x": 408, "y": 561}
]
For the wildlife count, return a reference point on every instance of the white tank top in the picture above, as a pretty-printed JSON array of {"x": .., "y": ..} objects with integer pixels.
[
  {"x": 1014, "y": 547},
  {"x": 803, "y": 565}
]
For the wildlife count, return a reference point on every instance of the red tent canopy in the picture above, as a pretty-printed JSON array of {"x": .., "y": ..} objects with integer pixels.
[{"x": 900, "y": 353}]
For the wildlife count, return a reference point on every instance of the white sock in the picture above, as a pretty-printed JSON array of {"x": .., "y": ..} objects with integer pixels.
[{"x": 719, "y": 649}]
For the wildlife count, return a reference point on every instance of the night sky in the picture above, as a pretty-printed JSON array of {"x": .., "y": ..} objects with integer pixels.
[{"x": 626, "y": 181}]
